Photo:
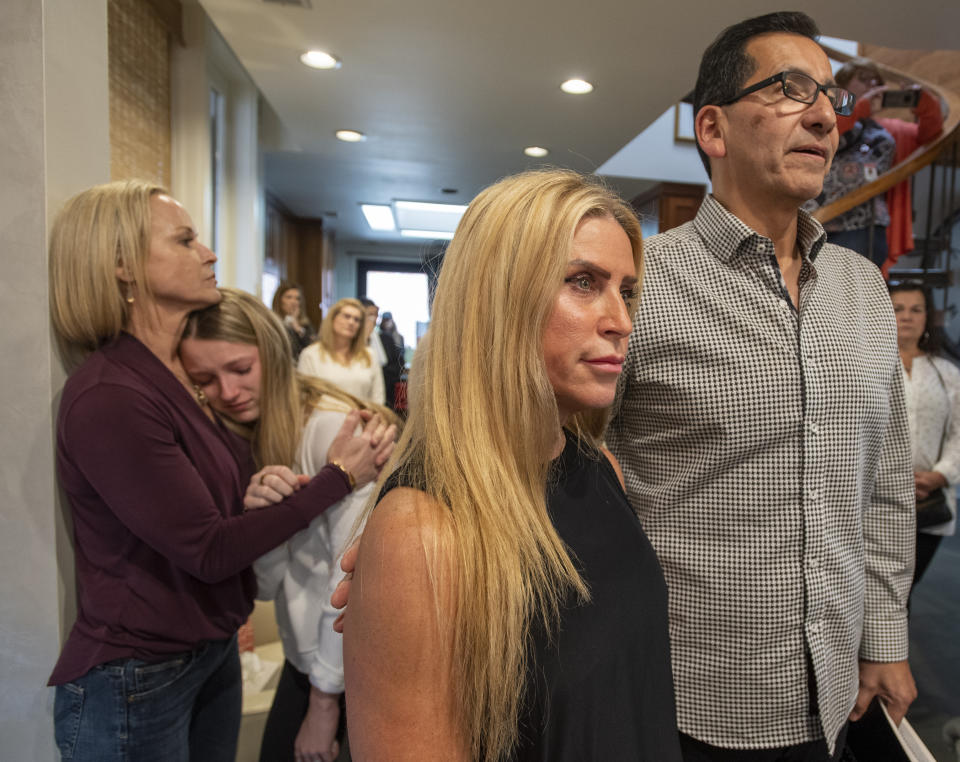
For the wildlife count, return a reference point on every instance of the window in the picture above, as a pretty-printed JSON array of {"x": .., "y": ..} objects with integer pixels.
[{"x": 399, "y": 288}]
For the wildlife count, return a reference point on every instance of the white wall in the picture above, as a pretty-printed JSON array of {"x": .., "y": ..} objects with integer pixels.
[
  {"x": 54, "y": 109},
  {"x": 205, "y": 61},
  {"x": 653, "y": 155}
]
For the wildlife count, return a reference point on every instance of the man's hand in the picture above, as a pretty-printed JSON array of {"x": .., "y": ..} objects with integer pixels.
[
  {"x": 339, "y": 598},
  {"x": 926, "y": 482},
  {"x": 317, "y": 739},
  {"x": 892, "y": 682}
]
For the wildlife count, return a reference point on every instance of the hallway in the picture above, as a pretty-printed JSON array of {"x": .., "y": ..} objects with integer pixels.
[{"x": 935, "y": 648}]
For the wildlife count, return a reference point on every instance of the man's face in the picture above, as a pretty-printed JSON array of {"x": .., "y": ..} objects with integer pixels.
[
  {"x": 776, "y": 148},
  {"x": 370, "y": 319}
]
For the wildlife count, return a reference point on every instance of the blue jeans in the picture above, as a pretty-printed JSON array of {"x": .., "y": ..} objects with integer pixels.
[{"x": 181, "y": 709}]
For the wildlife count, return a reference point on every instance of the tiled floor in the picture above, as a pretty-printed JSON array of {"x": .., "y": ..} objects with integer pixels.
[{"x": 935, "y": 648}]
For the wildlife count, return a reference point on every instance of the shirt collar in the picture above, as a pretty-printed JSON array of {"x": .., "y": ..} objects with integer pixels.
[{"x": 726, "y": 234}]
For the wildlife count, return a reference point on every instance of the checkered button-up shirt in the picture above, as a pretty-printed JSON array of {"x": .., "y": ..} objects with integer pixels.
[{"x": 767, "y": 453}]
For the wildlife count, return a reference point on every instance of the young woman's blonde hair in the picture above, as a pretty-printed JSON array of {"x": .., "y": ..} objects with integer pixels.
[
  {"x": 479, "y": 378},
  {"x": 97, "y": 231},
  {"x": 358, "y": 351},
  {"x": 286, "y": 397}
]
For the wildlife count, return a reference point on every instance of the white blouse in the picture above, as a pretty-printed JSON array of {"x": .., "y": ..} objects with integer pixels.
[
  {"x": 301, "y": 575},
  {"x": 930, "y": 405},
  {"x": 358, "y": 378}
]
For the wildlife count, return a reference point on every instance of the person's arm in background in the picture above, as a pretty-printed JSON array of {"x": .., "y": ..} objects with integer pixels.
[
  {"x": 929, "y": 118},
  {"x": 378, "y": 391},
  {"x": 319, "y": 645},
  {"x": 928, "y": 114},
  {"x": 911, "y": 135},
  {"x": 946, "y": 471},
  {"x": 861, "y": 110}
]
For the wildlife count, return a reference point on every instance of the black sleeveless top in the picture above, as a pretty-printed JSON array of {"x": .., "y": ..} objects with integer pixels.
[{"x": 600, "y": 687}]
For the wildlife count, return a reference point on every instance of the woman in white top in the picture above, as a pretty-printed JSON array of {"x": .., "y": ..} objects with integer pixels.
[
  {"x": 340, "y": 355},
  {"x": 932, "y": 386},
  {"x": 238, "y": 353}
]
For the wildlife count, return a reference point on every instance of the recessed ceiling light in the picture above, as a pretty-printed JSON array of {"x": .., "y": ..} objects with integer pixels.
[
  {"x": 536, "y": 151},
  {"x": 437, "y": 235},
  {"x": 319, "y": 59},
  {"x": 430, "y": 206},
  {"x": 351, "y": 136},
  {"x": 379, "y": 216},
  {"x": 576, "y": 87},
  {"x": 428, "y": 219}
]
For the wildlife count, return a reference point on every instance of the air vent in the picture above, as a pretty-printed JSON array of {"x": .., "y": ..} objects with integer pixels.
[{"x": 295, "y": 3}]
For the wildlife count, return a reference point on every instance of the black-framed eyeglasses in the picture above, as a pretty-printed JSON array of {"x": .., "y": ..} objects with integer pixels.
[{"x": 803, "y": 89}]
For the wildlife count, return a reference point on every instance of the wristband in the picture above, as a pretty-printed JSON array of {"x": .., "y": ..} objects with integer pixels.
[{"x": 347, "y": 474}]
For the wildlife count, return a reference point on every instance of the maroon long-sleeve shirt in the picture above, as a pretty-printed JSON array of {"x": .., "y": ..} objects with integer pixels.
[{"x": 163, "y": 547}]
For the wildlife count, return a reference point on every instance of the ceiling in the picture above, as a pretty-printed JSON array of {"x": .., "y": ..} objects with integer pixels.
[{"x": 449, "y": 93}]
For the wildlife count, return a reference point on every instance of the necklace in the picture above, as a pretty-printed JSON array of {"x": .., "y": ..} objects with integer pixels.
[{"x": 201, "y": 397}]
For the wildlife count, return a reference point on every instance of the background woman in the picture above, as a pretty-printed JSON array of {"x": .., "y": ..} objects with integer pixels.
[
  {"x": 932, "y": 387},
  {"x": 289, "y": 305},
  {"x": 507, "y": 603},
  {"x": 396, "y": 362},
  {"x": 340, "y": 355},
  {"x": 235, "y": 351},
  {"x": 155, "y": 484}
]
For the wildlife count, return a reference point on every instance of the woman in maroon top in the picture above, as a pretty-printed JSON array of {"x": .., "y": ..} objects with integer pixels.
[{"x": 156, "y": 489}]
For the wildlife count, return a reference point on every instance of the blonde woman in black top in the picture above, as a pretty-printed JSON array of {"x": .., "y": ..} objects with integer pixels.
[{"x": 507, "y": 604}]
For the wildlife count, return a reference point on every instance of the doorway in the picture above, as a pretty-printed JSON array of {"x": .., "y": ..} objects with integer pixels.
[{"x": 400, "y": 288}]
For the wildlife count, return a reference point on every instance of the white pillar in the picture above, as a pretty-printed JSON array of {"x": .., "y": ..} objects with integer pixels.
[{"x": 55, "y": 111}]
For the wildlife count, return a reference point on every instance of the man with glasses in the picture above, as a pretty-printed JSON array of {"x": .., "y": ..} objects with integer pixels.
[{"x": 761, "y": 425}]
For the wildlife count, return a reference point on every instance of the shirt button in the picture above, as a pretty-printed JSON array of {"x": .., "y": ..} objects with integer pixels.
[
  {"x": 813, "y": 428},
  {"x": 815, "y": 627},
  {"x": 813, "y": 564}
]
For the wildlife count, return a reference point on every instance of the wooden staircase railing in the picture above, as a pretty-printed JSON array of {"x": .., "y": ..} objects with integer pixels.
[{"x": 924, "y": 156}]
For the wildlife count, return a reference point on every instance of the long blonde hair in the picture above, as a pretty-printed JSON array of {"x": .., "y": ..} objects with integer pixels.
[
  {"x": 479, "y": 377},
  {"x": 358, "y": 349},
  {"x": 97, "y": 231},
  {"x": 286, "y": 397}
]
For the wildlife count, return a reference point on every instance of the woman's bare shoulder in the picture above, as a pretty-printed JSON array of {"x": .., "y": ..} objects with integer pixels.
[
  {"x": 398, "y": 642},
  {"x": 404, "y": 560},
  {"x": 403, "y": 520}
]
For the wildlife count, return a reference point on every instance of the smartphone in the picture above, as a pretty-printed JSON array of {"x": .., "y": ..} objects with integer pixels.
[{"x": 901, "y": 98}]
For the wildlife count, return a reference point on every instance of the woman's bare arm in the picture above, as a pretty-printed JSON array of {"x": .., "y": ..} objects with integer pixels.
[{"x": 397, "y": 645}]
